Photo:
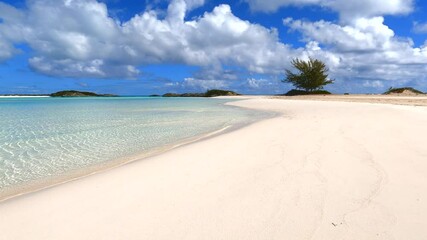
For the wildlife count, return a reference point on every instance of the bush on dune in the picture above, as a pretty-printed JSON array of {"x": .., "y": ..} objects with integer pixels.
[{"x": 295, "y": 92}]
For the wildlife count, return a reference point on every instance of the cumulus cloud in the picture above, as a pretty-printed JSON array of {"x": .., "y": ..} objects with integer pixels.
[
  {"x": 6, "y": 50},
  {"x": 214, "y": 77},
  {"x": 373, "y": 84},
  {"x": 348, "y": 10},
  {"x": 369, "y": 8},
  {"x": 74, "y": 69},
  {"x": 365, "y": 49},
  {"x": 365, "y": 34},
  {"x": 9, "y": 33},
  {"x": 89, "y": 43},
  {"x": 192, "y": 4},
  {"x": 261, "y": 83},
  {"x": 216, "y": 73},
  {"x": 203, "y": 84}
]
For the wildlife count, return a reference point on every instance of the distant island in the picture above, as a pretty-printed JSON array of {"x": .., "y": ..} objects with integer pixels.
[
  {"x": 209, "y": 93},
  {"x": 408, "y": 91},
  {"x": 73, "y": 93}
]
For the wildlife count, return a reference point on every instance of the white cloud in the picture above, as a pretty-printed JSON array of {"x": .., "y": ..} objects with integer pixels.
[
  {"x": 9, "y": 34},
  {"x": 365, "y": 49},
  {"x": 348, "y": 10},
  {"x": 420, "y": 27},
  {"x": 261, "y": 83},
  {"x": 203, "y": 84},
  {"x": 274, "y": 85},
  {"x": 274, "y": 5},
  {"x": 94, "y": 68},
  {"x": 6, "y": 50},
  {"x": 86, "y": 36},
  {"x": 365, "y": 34},
  {"x": 192, "y": 4},
  {"x": 216, "y": 73},
  {"x": 373, "y": 84},
  {"x": 369, "y": 8},
  {"x": 196, "y": 85}
]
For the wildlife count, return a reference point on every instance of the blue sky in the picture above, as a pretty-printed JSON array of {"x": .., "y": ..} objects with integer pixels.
[{"x": 142, "y": 47}]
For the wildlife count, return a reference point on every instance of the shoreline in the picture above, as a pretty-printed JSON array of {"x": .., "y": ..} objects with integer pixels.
[
  {"x": 321, "y": 170},
  {"x": 45, "y": 184},
  {"x": 77, "y": 174}
]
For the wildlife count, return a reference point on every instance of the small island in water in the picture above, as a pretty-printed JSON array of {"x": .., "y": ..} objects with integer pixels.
[
  {"x": 404, "y": 91},
  {"x": 209, "y": 93},
  {"x": 73, "y": 93}
]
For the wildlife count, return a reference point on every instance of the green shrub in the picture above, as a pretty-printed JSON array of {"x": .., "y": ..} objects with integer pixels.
[
  {"x": 295, "y": 92},
  {"x": 311, "y": 76}
]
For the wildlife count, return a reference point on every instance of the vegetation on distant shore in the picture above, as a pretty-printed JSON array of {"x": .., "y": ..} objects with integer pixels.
[
  {"x": 73, "y": 93},
  {"x": 218, "y": 92},
  {"x": 403, "y": 90},
  {"x": 295, "y": 92},
  {"x": 184, "y": 95},
  {"x": 209, "y": 93}
]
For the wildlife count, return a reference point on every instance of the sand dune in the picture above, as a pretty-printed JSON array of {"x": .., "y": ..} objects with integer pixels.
[
  {"x": 321, "y": 170},
  {"x": 417, "y": 100}
]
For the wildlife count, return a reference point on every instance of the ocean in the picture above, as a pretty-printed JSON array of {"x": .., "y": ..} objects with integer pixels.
[{"x": 44, "y": 141}]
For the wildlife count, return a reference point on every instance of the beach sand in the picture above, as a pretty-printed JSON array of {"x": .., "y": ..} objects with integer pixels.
[{"x": 321, "y": 170}]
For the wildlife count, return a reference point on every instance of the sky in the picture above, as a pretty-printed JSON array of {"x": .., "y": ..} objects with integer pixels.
[{"x": 143, "y": 47}]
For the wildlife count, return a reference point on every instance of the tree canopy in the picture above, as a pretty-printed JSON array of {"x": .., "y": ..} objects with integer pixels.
[{"x": 312, "y": 75}]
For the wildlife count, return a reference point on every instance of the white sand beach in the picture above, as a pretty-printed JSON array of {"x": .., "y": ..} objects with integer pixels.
[{"x": 321, "y": 170}]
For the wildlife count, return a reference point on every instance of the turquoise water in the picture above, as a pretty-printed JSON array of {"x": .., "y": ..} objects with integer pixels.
[{"x": 49, "y": 138}]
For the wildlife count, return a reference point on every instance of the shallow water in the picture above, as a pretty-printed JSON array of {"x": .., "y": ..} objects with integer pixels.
[{"x": 46, "y": 138}]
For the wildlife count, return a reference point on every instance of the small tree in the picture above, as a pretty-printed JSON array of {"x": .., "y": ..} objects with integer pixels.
[{"x": 312, "y": 75}]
